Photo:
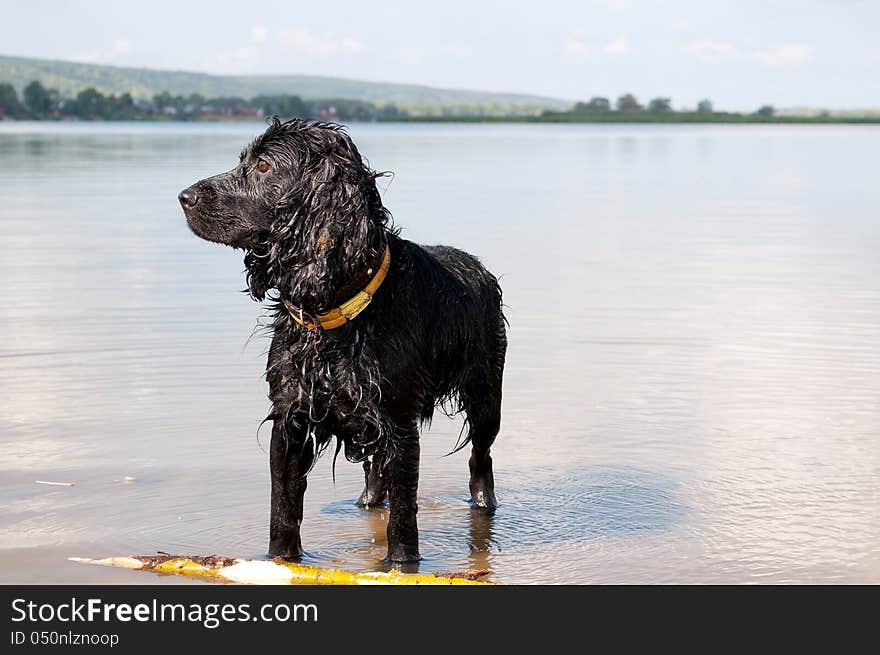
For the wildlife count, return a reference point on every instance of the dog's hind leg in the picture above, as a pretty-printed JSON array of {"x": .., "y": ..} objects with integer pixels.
[
  {"x": 375, "y": 490},
  {"x": 288, "y": 463},
  {"x": 481, "y": 400},
  {"x": 484, "y": 426}
]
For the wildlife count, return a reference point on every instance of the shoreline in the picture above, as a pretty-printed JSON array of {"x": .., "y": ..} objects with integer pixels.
[
  {"x": 646, "y": 119},
  {"x": 532, "y": 120}
]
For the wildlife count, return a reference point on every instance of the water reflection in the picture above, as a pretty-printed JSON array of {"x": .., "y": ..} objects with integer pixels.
[{"x": 480, "y": 539}]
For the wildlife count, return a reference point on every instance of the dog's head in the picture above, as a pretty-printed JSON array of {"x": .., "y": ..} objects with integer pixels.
[{"x": 304, "y": 206}]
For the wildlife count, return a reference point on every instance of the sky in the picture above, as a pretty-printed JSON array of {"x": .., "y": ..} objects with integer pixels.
[{"x": 740, "y": 54}]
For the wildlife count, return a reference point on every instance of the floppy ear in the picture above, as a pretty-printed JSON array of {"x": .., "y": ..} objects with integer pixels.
[
  {"x": 256, "y": 263},
  {"x": 328, "y": 225}
]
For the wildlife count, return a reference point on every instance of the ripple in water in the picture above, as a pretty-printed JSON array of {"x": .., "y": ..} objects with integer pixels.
[{"x": 568, "y": 508}]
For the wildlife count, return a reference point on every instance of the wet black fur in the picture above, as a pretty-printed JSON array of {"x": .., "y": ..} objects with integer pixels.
[{"x": 312, "y": 227}]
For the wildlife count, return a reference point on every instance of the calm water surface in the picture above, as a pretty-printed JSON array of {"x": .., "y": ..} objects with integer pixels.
[{"x": 693, "y": 381}]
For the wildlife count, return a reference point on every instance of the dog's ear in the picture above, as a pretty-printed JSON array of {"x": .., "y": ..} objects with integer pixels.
[
  {"x": 259, "y": 275},
  {"x": 329, "y": 223}
]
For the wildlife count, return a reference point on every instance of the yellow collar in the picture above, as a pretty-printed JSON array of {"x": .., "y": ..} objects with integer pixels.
[{"x": 349, "y": 309}]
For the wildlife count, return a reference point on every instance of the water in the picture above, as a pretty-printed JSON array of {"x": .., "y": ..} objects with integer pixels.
[{"x": 692, "y": 390}]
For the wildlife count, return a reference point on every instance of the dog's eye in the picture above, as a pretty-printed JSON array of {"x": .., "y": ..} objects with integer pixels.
[{"x": 263, "y": 166}]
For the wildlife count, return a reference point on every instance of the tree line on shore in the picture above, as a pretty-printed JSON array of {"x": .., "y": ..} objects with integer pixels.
[
  {"x": 38, "y": 102},
  {"x": 628, "y": 105}
]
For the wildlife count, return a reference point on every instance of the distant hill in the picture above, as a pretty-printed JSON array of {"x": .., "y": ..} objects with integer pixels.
[{"x": 142, "y": 83}]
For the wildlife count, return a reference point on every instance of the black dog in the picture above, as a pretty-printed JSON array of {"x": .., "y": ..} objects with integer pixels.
[{"x": 370, "y": 331}]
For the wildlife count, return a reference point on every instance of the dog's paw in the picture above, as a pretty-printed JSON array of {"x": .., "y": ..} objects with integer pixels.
[
  {"x": 371, "y": 498},
  {"x": 401, "y": 554},
  {"x": 292, "y": 551},
  {"x": 483, "y": 497}
]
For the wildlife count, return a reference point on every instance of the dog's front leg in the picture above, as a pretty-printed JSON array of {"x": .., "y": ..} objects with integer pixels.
[
  {"x": 403, "y": 484},
  {"x": 288, "y": 490}
]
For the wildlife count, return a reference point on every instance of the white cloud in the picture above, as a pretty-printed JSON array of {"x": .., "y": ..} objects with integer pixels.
[
  {"x": 576, "y": 46},
  {"x": 259, "y": 33},
  {"x": 783, "y": 55},
  {"x": 788, "y": 54},
  {"x": 120, "y": 47},
  {"x": 615, "y": 5},
  {"x": 456, "y": 51},
  {"x": 411, "y": 56},
  {"x": 245, "y": 53},
  {"x": 238, "y": 60},
  {"x": 708, "y": 50},
  {"x": 618, "y": 48},
  {"x": 318, "y": 45},
  {"x": 242, "y": 59}
]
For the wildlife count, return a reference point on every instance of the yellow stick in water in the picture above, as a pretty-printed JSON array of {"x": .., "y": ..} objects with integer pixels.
[{"x": 277, "y": 571}]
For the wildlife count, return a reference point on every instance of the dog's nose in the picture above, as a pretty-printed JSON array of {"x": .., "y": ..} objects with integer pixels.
[{"x": 188, "y": 197}]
